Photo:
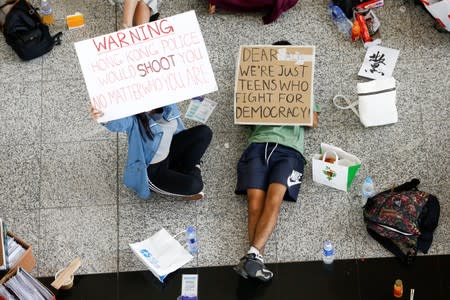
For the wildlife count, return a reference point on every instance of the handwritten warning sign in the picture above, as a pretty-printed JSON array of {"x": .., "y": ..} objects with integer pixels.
[
  {"x": 274, "y": 85},
  {"x": 147, "y": 66}
]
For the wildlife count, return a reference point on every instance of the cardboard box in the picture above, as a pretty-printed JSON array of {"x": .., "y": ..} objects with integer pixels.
[{"x": 26, "y": 262}]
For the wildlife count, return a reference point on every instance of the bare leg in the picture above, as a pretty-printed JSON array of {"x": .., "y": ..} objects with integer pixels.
[
  {"x": 269, "y": 217},
  {"x": 129, "y": 9},
  {"x": 255, "y": 202},
  {"x": 142, "y": 14}
]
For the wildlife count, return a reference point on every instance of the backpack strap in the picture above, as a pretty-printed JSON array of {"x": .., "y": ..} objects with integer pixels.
[{"x": 57, "y": 38}]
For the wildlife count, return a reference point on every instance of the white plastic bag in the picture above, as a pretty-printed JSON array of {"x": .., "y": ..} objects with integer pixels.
[{"x": 161, "y": 253}]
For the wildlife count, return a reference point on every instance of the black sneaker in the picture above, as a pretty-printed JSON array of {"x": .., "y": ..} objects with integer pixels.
[
  {"x": 251, "y": 266},
  {"x": 154, "y": 17}
]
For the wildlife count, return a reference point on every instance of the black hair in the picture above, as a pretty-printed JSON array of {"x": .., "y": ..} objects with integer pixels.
[
  {"x": 144, "y": 126},
  {"x": 282, "y": 43}
]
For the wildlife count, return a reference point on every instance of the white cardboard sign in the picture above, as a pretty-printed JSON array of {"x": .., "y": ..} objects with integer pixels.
[
  {"x": 146, "y": 67},
  {"x": 379, "y": 62}
]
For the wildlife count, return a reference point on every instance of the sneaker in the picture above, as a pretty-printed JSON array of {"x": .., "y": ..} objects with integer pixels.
[
  {"x": 154, "y": 17},
  {"x": 253, "y": 266},
  {"x": 198, "y": 196},
  {"x": 239, "y": 268}
]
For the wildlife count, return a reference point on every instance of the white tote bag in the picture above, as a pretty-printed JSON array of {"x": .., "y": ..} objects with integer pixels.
[
  {"x": 161, "y": 253},
  {"x": 337, "y": 172},
  {"x": 376, "y": 102}
]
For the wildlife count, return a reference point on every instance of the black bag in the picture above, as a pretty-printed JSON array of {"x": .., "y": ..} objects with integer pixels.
[
  {"x": 25, "y": 32},
  {"x": 347, "y": 6},
  {"x": 403, "y": 220}
]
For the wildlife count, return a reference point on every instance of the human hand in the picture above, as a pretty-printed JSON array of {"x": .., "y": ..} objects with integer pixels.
[
  {"x": 95, "y": 114},
  {"x": 315, "y": 120}
]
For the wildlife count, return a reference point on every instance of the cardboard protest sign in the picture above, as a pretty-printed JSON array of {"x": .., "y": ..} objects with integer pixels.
[
  {"x": 146, "y": 67},
  {"x": 274, "y": 85}
]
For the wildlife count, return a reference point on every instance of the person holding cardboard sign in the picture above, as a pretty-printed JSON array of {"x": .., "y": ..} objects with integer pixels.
[
  {"x": 163, "y": 156},
  {"x": 137, "y": 12},
  {"x": 269, "y": 170}
]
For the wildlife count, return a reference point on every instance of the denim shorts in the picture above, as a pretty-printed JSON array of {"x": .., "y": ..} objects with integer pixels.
[{"x": 264, "y": 163}]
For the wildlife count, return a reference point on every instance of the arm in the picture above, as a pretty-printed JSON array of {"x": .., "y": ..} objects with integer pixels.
[{"x": 116, "y": 125}]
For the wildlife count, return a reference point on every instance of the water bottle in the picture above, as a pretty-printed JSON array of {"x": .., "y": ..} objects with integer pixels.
[
  {"x": 191, "y": 240},
  {"x": 368, "y": 189},
  {"x": 340, "y": 19},
  {"x": 328, "y": 252},
  {"x": 46, "y": 12}
]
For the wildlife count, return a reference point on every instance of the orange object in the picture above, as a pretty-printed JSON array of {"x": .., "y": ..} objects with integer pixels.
[
  {"x": 356, "y": 31},
  {"x": 398, "y": 288},
  {"x": 75, "y": 21},
  {"x": 363, "y": 28}
]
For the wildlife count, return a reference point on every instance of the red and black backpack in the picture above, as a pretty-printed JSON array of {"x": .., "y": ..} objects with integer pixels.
[{"x": 403, "y": 220}]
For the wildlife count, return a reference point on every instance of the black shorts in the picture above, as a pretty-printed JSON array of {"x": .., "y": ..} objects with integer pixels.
[{"x": 264, "y": 163}]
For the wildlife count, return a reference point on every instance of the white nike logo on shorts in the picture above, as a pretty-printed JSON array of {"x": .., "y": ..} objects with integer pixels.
[{"x": 294, "y": 178}]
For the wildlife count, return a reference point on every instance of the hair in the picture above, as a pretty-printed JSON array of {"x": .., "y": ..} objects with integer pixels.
[
  {"x": 282, "y": 43},
  {"x": 144, "y": 124}
]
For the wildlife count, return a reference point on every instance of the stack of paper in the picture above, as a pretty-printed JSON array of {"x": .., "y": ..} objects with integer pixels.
[
  {"x": 3, "y": 248},
  {"x": 15, "y": 251},
  {"x": 24, "y": 286}
]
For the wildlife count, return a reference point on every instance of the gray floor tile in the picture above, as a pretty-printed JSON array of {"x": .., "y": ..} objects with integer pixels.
[
  {"x": 20, "y": 113},
  {"x": 138, "y": 222},
  {"x": 223, "y": 234},
  {"x": 65, "y": 114},
  {"x": 13, "y": 67},
  {"x": 19, "y": 176},
  {"x": 319, "y": 217},
  {"x": 436, "y": 139},
  {"x": 428, "y": 41},
  {"x": 68, "y": 180},
  {"x": 87, "y": 232}
]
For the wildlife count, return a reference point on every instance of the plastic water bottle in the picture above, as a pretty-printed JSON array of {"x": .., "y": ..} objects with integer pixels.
[
  {"x": 46, "y": 12},
  {"x": 368, "y": 189},
  {"x": 328, "y": 252},
  {"x": 340, "y": 19},
  {"x": 191, "y": 240}
]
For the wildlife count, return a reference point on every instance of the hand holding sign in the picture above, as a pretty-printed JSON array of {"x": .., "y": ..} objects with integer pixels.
[
  {"x": 146, "y": 67},
  {"x": 274, "y": 85}
]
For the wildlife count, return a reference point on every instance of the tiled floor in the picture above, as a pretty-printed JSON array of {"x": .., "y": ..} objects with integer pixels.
[{"x": 60, "y": 172}]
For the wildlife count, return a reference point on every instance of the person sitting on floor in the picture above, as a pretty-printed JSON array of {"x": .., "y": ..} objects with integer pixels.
[
  {"x": 163, "y": 156},
  {"x": 137, "y": 12},
  {"x": 269, "y": 170}
]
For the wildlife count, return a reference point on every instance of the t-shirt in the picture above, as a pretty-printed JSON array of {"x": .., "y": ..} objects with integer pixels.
[
  {"x": 168, "y": 128},
  {"x": 289, "y": 136}
]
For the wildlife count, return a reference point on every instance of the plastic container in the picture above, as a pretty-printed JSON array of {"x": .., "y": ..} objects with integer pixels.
[
  {"x": 398, "y": 288},
  {"x": 191, "y": 240},
  {"x": 46, "y": 12},
  {"x": 339, "y": 18},
  {"x": 368, "y": 189},
  {"x": 328, "y": 252}
]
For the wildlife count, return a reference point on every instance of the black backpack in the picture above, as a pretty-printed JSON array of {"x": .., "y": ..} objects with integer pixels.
[
  {"x": 403, "y": 220},
  {"x": 25, "y": 32}
]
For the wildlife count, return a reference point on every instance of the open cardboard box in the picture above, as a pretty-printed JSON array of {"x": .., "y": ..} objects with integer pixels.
[
  {"x": 12, "y": 273},
  {"x": 27, "y": 261}
]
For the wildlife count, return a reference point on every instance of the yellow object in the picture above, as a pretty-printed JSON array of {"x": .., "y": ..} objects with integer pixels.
[
  {"x": 398, "y": 288},
  {"x": 48, "y": 19},
  {"x": 75, "y": 21}
]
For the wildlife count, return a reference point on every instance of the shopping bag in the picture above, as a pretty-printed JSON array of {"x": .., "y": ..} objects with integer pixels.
[
  {"x": 161, "y": 253},
  {"x": 376, "y": 102},
  {"x": 334, "y": 167},
  {"x": 440, "y": 10}
]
